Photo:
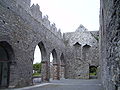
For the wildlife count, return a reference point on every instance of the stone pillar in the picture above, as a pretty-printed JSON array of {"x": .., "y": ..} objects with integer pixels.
[
  {"x": 62, "y": 71},
  {"x": 12, "y": 75},
  {"x": 45, "y": 71},
  {"x": 56, "y": 75}
]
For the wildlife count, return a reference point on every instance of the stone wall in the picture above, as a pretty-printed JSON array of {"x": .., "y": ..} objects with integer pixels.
[
  {"x": 110, "y": 43},
  {"x": 21, "y": 29},
  {"x": 81, "y": 52}
]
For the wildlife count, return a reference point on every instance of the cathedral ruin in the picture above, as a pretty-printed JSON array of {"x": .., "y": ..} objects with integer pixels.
[{"x": 22, "y": 28}]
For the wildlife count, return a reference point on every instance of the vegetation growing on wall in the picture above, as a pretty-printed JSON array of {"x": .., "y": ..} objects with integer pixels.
[{"x": 96, "y": 37}]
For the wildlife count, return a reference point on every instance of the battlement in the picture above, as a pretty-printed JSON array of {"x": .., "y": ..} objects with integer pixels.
[
  {"x": 35, "y": 12},
  {"x": 24, "y": 3},
  {"x": 46, "y": 22}
]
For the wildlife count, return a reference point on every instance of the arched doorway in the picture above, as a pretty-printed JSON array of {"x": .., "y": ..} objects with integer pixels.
[
  {"x": 93, "y": 72},
  {"x": 41, "y": 56},
  {"x": 4, "y": 67},
  {"x": 6, "y": 58},
  {"x": 37, "y": 66},
  {"x": 55, "y": 66},
  {"x": 51, "y": 66},
  {"x": 62, "y": 70}
]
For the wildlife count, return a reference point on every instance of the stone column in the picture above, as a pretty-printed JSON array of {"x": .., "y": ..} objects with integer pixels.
[
  {"x": 45, "y": 71},
  {"x": 12, "y": 75},
  {"x": 56, "y": 75}
]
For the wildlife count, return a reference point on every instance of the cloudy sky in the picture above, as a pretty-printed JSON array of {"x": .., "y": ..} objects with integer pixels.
[{"x": 69, "y": 14}]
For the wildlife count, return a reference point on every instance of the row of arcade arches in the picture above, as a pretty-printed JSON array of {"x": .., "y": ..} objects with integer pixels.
[
  {"x": 56, "y": 68},
  {"x": 7, "y": 60}
]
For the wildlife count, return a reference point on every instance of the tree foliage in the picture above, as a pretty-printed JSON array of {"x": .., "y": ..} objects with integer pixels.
[
  {"x": 93, "y": 70},
  {"x": 37, "y": 67}
]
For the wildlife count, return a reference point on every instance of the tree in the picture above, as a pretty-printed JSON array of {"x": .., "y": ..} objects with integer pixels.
[{"x": 37, "y": 67}]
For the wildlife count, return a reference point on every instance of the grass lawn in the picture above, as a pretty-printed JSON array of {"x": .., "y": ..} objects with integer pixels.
[{"x": 36, "y": 74}]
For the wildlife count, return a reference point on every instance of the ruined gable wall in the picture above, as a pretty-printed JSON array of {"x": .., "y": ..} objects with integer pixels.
[{"x": 76, "y": 66}]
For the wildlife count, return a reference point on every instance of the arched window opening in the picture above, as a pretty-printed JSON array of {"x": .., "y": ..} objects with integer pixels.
[
  {"x": 93, "y": 72},
  {"x": 86, "y": 53},
  {"x": 77, "y": 52},
  {"x": 77, "y": 44}
]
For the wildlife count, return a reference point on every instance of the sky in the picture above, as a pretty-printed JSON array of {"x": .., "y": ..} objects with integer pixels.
[
  {"x": 37, "y": 55},
  {"x": 69, "y": 14}
]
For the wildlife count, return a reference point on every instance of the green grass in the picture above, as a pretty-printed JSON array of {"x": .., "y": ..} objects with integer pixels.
[
  {"x": 93, "y": 74},
  {"x": 36, "y": 74}
]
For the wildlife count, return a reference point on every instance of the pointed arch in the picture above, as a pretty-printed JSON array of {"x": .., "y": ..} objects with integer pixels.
[
  {"x": 43, "y": 51},
  {"x": 86, "y": 52},
  {"x": 54, "y": 54},
  {"x": 77, "y": 50},
  {"x": 77, "y": 44},
  {"x": 43, "y": 69},
  {"x": 8, "y": 48},
  {"x": 62, "y": 58},
  {"x": 86, "y": 46}
]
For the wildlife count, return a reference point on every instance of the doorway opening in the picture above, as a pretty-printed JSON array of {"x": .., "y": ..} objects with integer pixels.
[
  {"x": 39, "y": 57},
  {"x": 6, "y": 58},
  {"x": 93, "y": 72},
  {"x": 4, "y": 67},
  {"x": 37, "y": 62},
  {"x": 51, "y": 66},
  {"x": 54, "y": 69}
]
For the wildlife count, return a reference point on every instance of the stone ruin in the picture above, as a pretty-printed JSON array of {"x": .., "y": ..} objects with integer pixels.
[{"x": 22, "y": 28}]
